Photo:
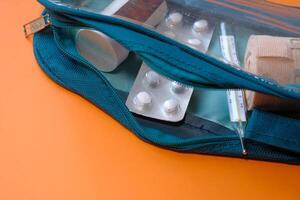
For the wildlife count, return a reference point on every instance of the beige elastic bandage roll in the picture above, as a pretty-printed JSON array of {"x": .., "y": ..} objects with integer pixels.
[{"x": 277, "y": 58}]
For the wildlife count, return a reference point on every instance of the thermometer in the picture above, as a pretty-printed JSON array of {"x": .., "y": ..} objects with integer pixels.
[{"x": 236, "y": 98}]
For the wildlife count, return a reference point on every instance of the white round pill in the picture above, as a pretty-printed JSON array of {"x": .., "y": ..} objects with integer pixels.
[
  {"x": 174, "y": 19},
  {"x": 142, "y": 100},
  {"x": 152, "y": 79},
  {"x": 171, "y": 106},
  {"x": 177, "y": 87},
  {"x": 200, "y": 26}
]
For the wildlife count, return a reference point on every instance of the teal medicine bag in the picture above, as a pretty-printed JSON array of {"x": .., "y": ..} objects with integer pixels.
[{"x": 206, "y": 128}]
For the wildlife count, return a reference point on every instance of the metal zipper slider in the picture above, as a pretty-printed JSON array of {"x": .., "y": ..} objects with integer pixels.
[{"x": 36, "y": 25}]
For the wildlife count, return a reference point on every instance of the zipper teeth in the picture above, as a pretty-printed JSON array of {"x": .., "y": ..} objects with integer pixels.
[{"x": 129, "y": 117}]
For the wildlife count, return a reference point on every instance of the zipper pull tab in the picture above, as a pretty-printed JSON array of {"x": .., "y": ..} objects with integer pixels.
[{"x": 36, "y": 25}]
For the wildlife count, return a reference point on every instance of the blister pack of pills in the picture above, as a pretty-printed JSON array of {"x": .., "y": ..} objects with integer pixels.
[
  {"x": 158, "y": 97},
  {"x": 188, "y": 27}
]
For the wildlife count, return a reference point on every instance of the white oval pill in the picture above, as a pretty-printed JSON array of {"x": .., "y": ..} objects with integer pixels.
[
  {"x": 171, "y": 106},
  {"x": 177, "y": 87},
  {"x": 194, "y": 42},
  {"x": 200, "y": 26},
  {"x": 142, "y": 100},
  {"x": 152, "y": 79},
  {"x": 170, "y": 34},
  {"x": 174, "y": 19}
]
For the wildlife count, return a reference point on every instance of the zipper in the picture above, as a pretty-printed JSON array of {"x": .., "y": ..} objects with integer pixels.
[{"x": 36, "y": 25}]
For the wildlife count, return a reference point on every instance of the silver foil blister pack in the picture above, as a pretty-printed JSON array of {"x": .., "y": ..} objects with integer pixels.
[{"x": 158, "y": 97}]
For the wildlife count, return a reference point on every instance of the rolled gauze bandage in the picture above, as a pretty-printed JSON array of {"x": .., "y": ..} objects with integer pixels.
[{"x": 277, "y": 58}]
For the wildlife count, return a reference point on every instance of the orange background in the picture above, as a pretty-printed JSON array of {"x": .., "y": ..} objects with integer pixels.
[
  {"x": 55, "y": 145},
  {"x": 287, "y": 2}
]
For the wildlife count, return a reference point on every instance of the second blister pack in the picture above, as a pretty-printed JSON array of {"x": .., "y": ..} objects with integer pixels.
[{"x": 188, "y": 27}]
